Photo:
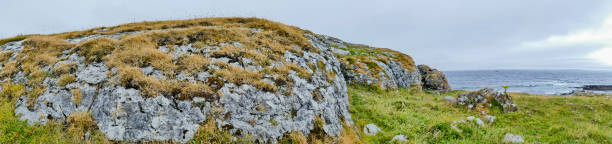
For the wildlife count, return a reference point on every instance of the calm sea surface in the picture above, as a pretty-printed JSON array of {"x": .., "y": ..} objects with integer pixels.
[{"x": 529, "y": 81}]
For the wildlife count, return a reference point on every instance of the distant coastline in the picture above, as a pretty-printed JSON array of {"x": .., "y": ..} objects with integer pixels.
[{"x": 547, "y": 82}]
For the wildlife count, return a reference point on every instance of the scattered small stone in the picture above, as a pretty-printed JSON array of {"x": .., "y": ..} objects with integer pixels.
[
  {"x": 490, "y": 119},
  {"x": 480, "y": 122},
  {"x": 451, "y": 99},
  {"x": 590, "y": 107},
  {"x": 511, "y": 138},
  {"x": 471, "y": 118},
  {"x": 399, "y": 138},
  {"x": 371, "y": 129}
]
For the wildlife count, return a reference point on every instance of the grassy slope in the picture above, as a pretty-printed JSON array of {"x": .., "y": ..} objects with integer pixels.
[{"x": 425, "y": 118}]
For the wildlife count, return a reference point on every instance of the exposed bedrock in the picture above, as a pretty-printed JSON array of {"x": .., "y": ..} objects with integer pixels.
[{"x": 162, "y": 84}]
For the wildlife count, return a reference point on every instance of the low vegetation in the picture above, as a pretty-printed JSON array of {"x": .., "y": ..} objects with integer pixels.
[{"x": 426, "y": 117}]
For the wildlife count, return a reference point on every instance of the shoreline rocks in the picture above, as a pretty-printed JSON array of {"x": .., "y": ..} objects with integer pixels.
[
  {"x": 597, "y": 87},
  {"x": 579, "y": 93}
]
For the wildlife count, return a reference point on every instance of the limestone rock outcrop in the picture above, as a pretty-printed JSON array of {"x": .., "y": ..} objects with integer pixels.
[{"x": 160, "y": 81}]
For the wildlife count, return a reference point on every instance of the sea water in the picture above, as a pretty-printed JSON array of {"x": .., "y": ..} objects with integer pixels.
[{"x": 528, "y": 81}]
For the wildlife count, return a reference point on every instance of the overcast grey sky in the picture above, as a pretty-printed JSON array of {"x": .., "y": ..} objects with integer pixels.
[{"x": 449, "y": 34}]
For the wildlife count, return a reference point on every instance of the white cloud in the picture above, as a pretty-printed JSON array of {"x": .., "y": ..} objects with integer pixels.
[
  {"x": 604, "y": 55},
  {"x": 601, "y": 35}
]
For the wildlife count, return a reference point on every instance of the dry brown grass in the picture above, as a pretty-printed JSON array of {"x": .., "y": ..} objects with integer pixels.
[
  {"x": 12, "y": 39},
  {"x": 265, "y": 85},
  {"x": 77, "y": 96},
  {"x": 80, "y": 123},
  {"x": 65, "y": 68},
  {"x": 132, "y": 77},
  {"x": 195, "y": 89},
  {"x": 9, "y": 69},
  {"x": 66, "y": 79},
  {"x": 141, "y": 51},
  {"x": 94, "y": 50},
  {"x": 12, "y": 90},
  {"x": 293, "y": 138},
  {"x": 4, "y": 56},
  {"x": 193, "y": 64},
  {"x": 239, "y": 75}
]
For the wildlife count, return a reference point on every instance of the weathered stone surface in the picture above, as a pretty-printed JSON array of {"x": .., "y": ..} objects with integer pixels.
[
  {"x": 485, "y": 98},
  {"x": 125, "y": 114},
  {"x": 433, "y": 79},
  {"x": 371, "y": 129},
  {"x": 93, "y": 74},
  {"x": 511, "y": 138}
]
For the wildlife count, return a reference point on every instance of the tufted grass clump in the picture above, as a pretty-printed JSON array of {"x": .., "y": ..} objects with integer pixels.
[
  {"x": 95, "y": 49},
  {"x": 4, "y": 56},
  {"x": 66, "y": 79},
  {"x": 65, "y": 68},
  {"x": 79, "y": 124},
  {"x": 77, "y": 96}
]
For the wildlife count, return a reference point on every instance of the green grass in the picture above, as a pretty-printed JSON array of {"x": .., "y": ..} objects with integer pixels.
[{"x": 426, "y": 118}]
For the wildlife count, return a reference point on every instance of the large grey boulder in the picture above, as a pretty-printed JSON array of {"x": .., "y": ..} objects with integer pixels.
[{"x": 433, "y": 79}]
